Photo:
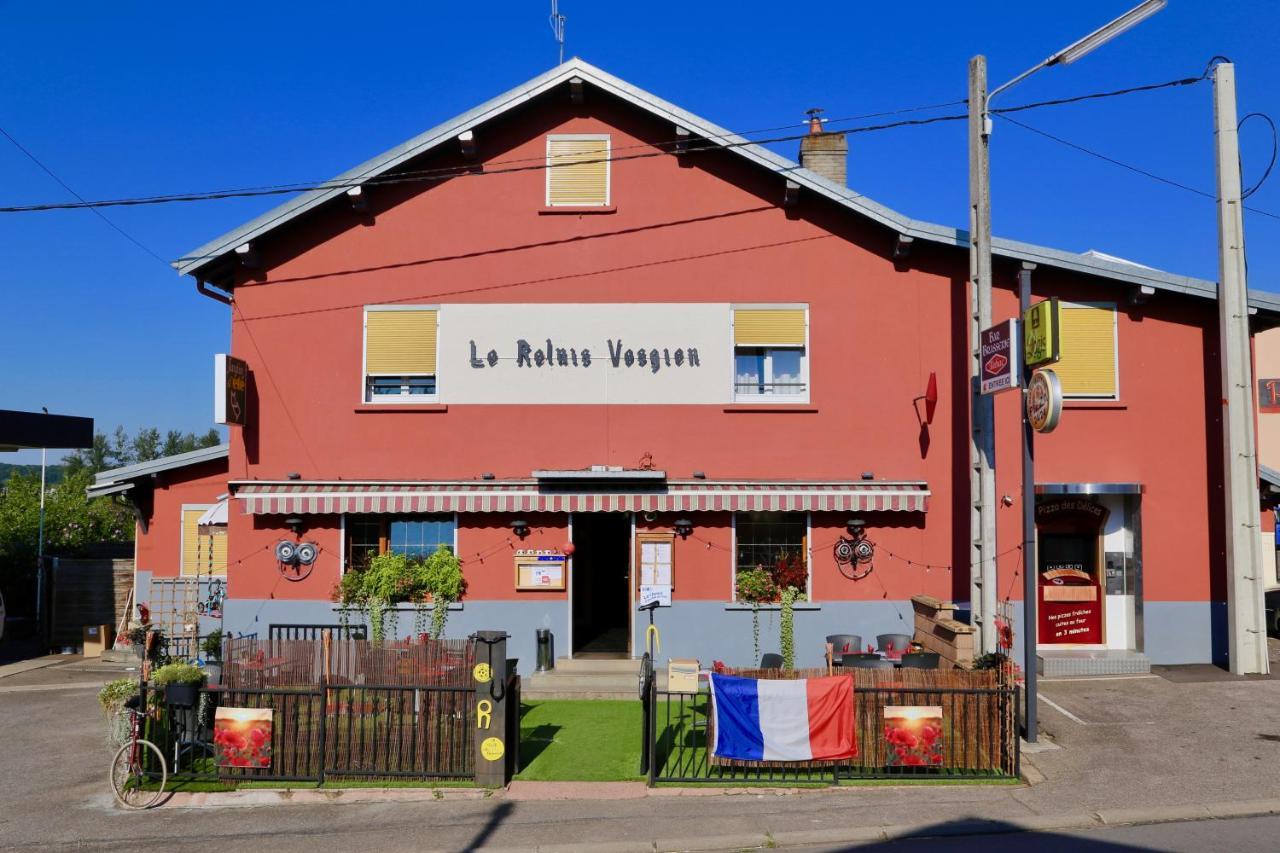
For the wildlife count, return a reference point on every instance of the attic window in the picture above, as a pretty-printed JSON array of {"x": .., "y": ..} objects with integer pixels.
[{"x": 578, "y": 170}]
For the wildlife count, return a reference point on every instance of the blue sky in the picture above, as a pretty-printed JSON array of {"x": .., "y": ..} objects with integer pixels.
[{"x": 148, "y": 98}]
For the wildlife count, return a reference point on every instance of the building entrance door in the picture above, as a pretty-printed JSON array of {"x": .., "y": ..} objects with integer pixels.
[{"x": 601, "y": 580}]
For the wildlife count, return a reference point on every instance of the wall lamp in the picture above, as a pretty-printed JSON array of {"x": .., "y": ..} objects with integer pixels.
[
  {"x": 296, "y": 524},
  {"x": 683, "y": 527},
  {"x": 856, "y": 527},
  {"x": 519, "y": 527}
]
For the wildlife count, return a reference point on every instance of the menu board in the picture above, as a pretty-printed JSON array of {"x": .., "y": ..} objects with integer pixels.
[{"x": 540, "y": 570}]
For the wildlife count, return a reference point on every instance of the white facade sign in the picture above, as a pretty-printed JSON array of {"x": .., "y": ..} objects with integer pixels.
[{"x": 585, "y": 353}]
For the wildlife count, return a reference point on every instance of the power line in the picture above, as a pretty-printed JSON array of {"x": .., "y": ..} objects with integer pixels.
[
  {"x": 34, "y": 159},
  {"x": 539, "y": 163},
  {"x": 1135, "y": 169}
]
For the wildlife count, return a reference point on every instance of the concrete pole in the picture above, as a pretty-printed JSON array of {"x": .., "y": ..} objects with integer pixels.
[
  {"x": 982, "y": 479},
  {"x": 1245, "y": 610},
  {"x": 40, "y": 548}
]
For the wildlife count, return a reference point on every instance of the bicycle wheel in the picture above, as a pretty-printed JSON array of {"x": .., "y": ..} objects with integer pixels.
[{"x": 133, "y": 785}]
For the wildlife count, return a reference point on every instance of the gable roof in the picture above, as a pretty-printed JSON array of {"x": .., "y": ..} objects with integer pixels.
[
  {"x": 123, "y": 479},
  {"x": 201, "y": 260}
]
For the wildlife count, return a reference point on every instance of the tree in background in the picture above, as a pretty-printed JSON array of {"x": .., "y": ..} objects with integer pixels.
[
  {"x": 119, "y": 449},
  {"x": 73, "y": 524}
]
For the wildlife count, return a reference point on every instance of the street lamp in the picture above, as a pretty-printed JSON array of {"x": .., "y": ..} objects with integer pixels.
[{"x": 982, "y": 441}]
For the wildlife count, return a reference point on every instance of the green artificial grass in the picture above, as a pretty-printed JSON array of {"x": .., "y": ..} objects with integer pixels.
[{"x": 582, "y": 740}]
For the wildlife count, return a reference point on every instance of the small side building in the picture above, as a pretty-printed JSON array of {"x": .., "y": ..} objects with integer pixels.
[{"x": 180, "y": 541}]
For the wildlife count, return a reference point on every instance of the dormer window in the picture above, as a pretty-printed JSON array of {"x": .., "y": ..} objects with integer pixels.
[{"x": 578, "y": 170}]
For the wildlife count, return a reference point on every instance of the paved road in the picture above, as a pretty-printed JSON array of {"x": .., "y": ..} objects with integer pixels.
[
  {"x": 1244, "y": 835},
  {"x": 1142, "y": 743}
]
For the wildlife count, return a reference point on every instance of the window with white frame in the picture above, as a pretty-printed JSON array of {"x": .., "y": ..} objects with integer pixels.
[
  {"x": 771, "y": 551},
  {"x": 770, "y": 353},
  {"x": 578, "y": 170},
  {"x": 400, "y": 354}
]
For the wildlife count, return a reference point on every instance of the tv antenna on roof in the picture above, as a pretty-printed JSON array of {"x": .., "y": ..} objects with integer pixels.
[{"x": 557, "y": 26}]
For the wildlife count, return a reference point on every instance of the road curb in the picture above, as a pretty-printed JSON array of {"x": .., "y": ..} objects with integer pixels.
[{"x": 22, "y": 666}]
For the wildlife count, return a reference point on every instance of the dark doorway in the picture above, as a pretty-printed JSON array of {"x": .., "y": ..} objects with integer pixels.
[{"x": 602, "y": 584}]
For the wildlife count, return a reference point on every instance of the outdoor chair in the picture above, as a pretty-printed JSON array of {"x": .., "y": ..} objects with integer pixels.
[
  {"x": 870, "y": 663},
  {"x": 770, "y": 660},
  {"x": 921, "y": 660},
  {"x": 843, "y": 644},
  {"x": 893, "y": 644}
]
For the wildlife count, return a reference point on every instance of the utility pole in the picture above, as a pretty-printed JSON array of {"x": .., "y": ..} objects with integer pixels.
[
  {"x": 1030, "y": 561},
  {"x": 982, "y": 476},
  {"x": 1246, "y": 616}
]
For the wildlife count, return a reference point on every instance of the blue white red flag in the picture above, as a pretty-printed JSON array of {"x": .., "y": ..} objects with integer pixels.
[{"x": 804, "y": 719}]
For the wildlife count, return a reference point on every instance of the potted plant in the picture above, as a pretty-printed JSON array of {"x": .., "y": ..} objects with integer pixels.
[
  {"x": 755, "y": 586},
  {"x": 393, "y": 579},
  {"x": 211, "y": 648},
  {"x": 181, "y": 683},
  {"x": 137, "y": 637},
  {"x": 112, "y": 697}
]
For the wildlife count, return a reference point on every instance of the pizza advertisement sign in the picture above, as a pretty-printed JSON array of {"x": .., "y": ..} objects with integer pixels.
[{"x": 999, "y": 358}]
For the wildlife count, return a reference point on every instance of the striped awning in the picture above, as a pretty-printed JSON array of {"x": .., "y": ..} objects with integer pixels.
[{"x": 297, "y": 498}]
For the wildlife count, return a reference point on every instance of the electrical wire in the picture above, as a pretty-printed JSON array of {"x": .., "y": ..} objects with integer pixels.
[
  {"x": 467, "y": 170},
  {"x": 1266, "y": 172},
  {"x": 34, "y": 159},
  {"x": 1137, "y": 170}
]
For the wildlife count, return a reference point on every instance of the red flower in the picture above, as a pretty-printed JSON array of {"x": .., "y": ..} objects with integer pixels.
[{"x": 913, "y": 760}]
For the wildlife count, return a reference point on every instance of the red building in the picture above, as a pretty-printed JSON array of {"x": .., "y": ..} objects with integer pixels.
[{"x": 580, "y": 307}]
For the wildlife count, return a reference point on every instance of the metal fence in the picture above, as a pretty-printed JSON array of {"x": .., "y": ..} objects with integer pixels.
[
  {"x": 339, "y": 708},
  {"x": 977, "y": 736}
]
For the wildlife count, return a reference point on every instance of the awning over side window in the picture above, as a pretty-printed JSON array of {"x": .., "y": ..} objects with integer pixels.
[
  {"x": 400, "y": 342},
  {"x": 295, "y": 497},
  {"x": 762, "y": 327}
]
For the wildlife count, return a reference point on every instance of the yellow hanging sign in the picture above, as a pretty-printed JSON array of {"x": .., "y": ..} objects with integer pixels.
[
  {"x": 484, "y": 714},
  {"x": 1041, "y": 333}
]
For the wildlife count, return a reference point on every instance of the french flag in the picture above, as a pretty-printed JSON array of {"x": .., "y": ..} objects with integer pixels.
[{"x": 803, "y": 719}]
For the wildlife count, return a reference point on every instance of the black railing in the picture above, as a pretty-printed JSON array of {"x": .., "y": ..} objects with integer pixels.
[
  {"x": 315, "y": 632},
  {"x": 318, "y": 733},
  {"x": 976, "y": 738}
]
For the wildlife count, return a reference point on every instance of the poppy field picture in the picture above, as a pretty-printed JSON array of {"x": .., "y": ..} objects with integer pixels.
[
  {"x": 242, "y": 737},
  {"x": 914, "y": 735}
]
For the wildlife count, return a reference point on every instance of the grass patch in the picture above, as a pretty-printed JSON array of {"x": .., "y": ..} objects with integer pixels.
[{"x": 582, "y": 740}]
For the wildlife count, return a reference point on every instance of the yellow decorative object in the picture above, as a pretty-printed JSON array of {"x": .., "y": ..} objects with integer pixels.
[
  {"x": 484, "y": 714},
  {"x": 482, "y": 673},
  {"x": 651, "y": 639},
  {"x": 492, "y": 748}
]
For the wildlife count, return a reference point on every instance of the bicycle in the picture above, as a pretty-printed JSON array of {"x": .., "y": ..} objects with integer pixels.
[
  {"x": 213, "y": 601},
  {"x": 131, "y": 781}
]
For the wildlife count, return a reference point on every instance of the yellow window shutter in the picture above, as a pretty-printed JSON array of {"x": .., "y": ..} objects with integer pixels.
[
  {"x": 213, "y": 559},
  {"x": 1088, "y": 364},
  {"x": 191, "y": 551},
  {"x": 578, "y": 172},
  {"x": 400, "y": 343},
  {"x": 768, "y": 327}
]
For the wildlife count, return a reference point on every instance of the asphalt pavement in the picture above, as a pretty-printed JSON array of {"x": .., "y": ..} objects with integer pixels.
[{"x": 1132, "y": 751}]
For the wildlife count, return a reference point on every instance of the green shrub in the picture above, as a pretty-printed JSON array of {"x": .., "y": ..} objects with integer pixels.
[
  {"x": 392, "y": 579},
  {"x": 178, "y": 673},
  {"x": 114, "y": 694},
  {"x": 212, "y": 645}
]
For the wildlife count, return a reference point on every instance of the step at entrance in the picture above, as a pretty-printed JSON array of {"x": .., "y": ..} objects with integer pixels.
[
  {"x": 1062, "y": 664},
  {"x": 590, "y": 678}
]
